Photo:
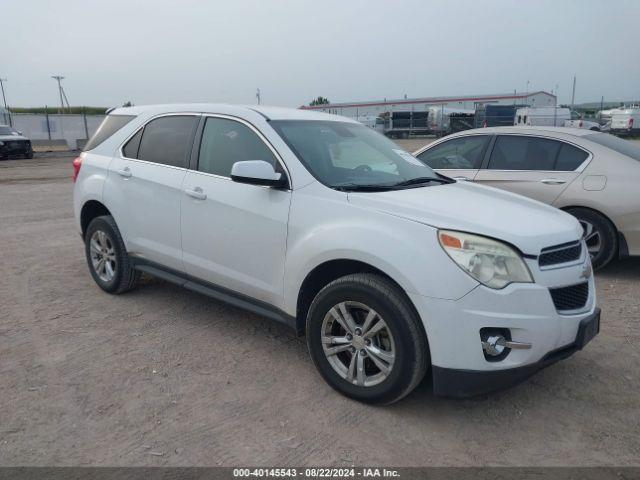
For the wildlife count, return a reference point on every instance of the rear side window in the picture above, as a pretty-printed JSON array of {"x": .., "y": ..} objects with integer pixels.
[
  {"x": 570, "y": 158},
  {"x": 167, "y": 140},
  {"x": 464, "y": 152},
  {"x": 512, "y": 152},
  {"x": 110, "y": 125},
  {"x": 130, "y": 150},
  {"x": 225, "y": 142}
]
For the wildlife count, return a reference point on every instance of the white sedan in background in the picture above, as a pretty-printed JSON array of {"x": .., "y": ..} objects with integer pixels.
[{"x": 594, "y": 176}]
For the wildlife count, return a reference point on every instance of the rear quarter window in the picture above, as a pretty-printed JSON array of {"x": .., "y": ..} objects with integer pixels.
[{"x": 110, "y": 125}]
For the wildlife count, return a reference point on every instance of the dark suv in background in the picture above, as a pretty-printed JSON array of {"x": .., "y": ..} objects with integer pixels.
[{"x": 13, "y": 144}]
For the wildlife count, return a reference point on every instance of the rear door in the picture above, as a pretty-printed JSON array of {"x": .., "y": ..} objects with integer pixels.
[
  {"x": 460, "y": 157},
  {"x": 536, "y": 167},
  {"x": 145, "y": 185}
]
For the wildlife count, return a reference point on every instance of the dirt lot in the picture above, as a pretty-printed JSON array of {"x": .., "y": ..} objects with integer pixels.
[{"x": 164, "y": 376}]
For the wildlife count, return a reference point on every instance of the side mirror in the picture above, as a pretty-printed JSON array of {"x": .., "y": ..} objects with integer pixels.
[{"x": 257, "y": 172}]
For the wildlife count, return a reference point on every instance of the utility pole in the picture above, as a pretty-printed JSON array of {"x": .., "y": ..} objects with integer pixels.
[
  {"x": 258, "y": 95},
  {"x": 4, "y": 99},
  {"x": 63, "y": 96},
  {"x": 573, "y": 92}
]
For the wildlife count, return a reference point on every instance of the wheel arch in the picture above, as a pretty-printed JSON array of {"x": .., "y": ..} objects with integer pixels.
[
  {"x": 330, "y": 270},
  {"x": 622, "y": 250},
  {"x": 90, "y": 210}
]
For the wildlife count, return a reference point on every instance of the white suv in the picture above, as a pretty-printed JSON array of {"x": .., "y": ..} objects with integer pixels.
[{"x": 319, "y": 222}]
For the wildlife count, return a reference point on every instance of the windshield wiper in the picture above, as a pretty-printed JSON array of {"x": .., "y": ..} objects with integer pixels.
[
  {"x": 421, "y": 180},
  {"x": 357, "y": 187}
]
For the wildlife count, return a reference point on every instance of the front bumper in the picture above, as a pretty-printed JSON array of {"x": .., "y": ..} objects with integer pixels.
[
  {"x": 468, "y": 383},
  {"x": 525, "y": 311},
  {"x": 15, "y": 148}
]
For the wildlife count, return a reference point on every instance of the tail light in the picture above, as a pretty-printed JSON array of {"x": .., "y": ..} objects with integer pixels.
[
  {"x": 630, "y": 125},
  {"x": 580, "y": 124},
  {"x": 484, "y": 124},
  {"x": 77, "y": 163}
]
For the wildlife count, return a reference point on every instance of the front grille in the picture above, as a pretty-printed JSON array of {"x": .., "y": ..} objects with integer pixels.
[
  {"x": 570, "y": 298},
  {"x": 567, "y": 252}
]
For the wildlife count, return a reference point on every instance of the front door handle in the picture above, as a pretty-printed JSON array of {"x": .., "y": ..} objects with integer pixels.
[
  {"x": 462, "y": 179},
  {"x": 196, "y": 193},
  {"x": 125, "y": 172},
  {"x": 553, "y": 181}
]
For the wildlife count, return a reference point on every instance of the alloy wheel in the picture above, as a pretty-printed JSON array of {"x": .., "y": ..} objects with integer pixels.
[
  {"x": 591, "y": 237},
  {"x": 103, "y": 255},
  {"x": 358, "y": 343}
]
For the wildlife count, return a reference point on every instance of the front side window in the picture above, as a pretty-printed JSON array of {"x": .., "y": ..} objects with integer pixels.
[
  {"x": 167, "y": 140},
  {"x": 225, "y": 142},
  {"x": 463, "y": 152},
  {"x": 512, "y": 152},
  {"x": 346, "y": 155}
]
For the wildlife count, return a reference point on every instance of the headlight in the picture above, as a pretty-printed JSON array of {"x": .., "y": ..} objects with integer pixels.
[{"x": 490, "y": 262}]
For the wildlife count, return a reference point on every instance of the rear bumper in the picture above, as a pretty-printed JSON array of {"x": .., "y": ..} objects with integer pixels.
[{"x": 468, "y": 383}]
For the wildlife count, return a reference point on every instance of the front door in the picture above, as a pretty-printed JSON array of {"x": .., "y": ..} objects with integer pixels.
[
  {"x": 233, "y": 234},
  {"x": 536, "y": 167}
]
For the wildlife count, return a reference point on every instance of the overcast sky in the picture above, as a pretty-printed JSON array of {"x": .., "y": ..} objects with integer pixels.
[{"x": 159, "y": 51}]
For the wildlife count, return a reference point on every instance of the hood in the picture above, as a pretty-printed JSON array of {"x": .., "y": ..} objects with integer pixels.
[
  {"x": 525, "y": 223},
  {"x": 4, "y": 138}
]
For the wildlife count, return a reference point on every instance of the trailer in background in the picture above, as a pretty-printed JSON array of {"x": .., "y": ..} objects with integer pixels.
[
  {"x": 496, "y": 115},
  {"x": 440, "y": 119},
  {"x": 459, "y": 122},
  {"x": 405, "y": 124}
]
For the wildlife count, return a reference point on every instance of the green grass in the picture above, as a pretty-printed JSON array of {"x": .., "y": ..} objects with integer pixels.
[{"x": 51, "y": 110}]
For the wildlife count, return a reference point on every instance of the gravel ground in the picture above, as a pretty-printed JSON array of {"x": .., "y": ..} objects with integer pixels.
[{"x": 164, "y": 376}]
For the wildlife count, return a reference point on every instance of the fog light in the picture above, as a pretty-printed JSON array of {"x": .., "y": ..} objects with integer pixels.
[
  {"x": 497, "y": 343},
  {"x": 494, "y": 345}
]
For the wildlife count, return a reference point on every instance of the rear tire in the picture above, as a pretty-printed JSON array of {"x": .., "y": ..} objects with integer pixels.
[
  {"x": 599, "y": 234},
  {"x": 107, "y": 257},
  {"x": 379, "y": 361}
]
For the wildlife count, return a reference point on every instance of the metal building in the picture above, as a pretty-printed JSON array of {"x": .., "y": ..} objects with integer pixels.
[{"x": 470, "y": 102}]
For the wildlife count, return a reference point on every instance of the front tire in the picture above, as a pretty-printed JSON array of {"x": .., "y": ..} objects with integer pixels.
[
  {"x": 366, "y": 340},
  {"x": 599, "y": 235},
  {"x": 107, "y": 257}
]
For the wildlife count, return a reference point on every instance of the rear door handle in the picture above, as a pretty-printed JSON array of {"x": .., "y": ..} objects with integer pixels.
[
  {"x": 553, "y": 181},
  {"x": 125, "y": 172},
  {"x": 196, "y": 193}
]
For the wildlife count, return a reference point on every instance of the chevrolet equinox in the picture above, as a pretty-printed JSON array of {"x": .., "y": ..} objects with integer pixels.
[{"x": 389, "y": 268}]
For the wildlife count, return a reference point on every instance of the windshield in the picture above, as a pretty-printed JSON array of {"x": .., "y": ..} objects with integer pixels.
[
  {"x": 347, "y": 156},
  {"x": 7, "y": 131},
  {"x": 625, "y": 147}
]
